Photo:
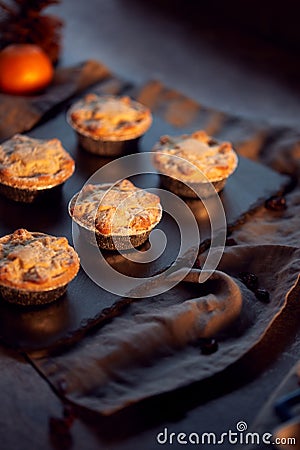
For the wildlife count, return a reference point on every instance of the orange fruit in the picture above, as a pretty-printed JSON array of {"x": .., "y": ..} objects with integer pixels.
[{"x": 24, "y": 69}]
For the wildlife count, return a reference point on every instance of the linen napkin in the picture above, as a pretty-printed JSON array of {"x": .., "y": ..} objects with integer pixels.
[{"x": 153, "y": 347}]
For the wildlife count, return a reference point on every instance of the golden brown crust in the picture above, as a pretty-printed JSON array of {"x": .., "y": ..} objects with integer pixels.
[
  {"x": 110, "y": 118},
  {"x": 36, "y": 261},
  {"x": 28, "y": 163},
  {"x": 194, "y": 158},
  {"x": 116, "y": 210}
]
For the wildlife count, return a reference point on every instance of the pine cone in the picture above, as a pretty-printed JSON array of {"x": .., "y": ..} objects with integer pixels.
[{"x": 22, "y": 21}]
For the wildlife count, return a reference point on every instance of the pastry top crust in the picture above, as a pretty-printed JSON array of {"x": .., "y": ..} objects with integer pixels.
[
  {"x": 194, "y": 158},
  {"x": 31, "y": 163},
  {"x": 36, "y": 261},
  {"x": 116, "y": 210},
  {"x": 109, "y": 118}
]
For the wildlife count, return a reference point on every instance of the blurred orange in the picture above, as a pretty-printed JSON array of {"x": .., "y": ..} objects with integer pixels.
[{"x": 24, "y": 69}]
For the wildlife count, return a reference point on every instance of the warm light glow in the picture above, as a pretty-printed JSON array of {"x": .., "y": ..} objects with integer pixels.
[{"x": 24, "y": 69}]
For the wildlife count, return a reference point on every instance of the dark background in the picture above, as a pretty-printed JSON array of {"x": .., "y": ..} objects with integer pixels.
[{"x": 239, "y": 57}]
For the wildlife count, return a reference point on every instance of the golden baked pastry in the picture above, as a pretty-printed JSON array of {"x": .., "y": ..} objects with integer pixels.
[
  {"x": 196, "y": 159},
  {"x": 35, "y": 267},
  {"x": 116, "y": 211},
  {"x": 111, "y": 118},
  {"x": 30, "y": 165},
  {"x": 104, "y": 122},
  {"x": 215, "y": 161}
]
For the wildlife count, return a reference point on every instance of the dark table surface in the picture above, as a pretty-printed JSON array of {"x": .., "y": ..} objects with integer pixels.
[{"x": 219, "y": 68}]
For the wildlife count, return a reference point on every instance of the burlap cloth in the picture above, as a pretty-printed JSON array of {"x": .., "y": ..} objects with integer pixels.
[{"x": 153, "y": 345}]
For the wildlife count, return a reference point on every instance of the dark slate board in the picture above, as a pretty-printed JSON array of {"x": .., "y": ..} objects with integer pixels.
[{"x": 85, "y": 304}]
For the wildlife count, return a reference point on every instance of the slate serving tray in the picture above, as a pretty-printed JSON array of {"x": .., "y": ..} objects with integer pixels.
[{"x": 86, "y": 304}]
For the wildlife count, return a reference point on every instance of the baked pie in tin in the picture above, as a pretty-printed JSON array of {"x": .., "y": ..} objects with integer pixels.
[
  {"x": 109, "y": 125},
  {"x": 31, "y": 167},
  {"x": 190, "y": 164},
  {"x": 35, "y": 268},
  {"x": 121, "y": 215}
]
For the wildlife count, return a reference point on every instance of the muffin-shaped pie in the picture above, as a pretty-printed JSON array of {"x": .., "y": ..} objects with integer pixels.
[
  {"x": 35, "y": 268},
  {"x": 191, "y": 163},
  {"x": 120, "y": 215},
  {"x": 30, "y": 167},
  {"x": 109, "y": 125}
]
